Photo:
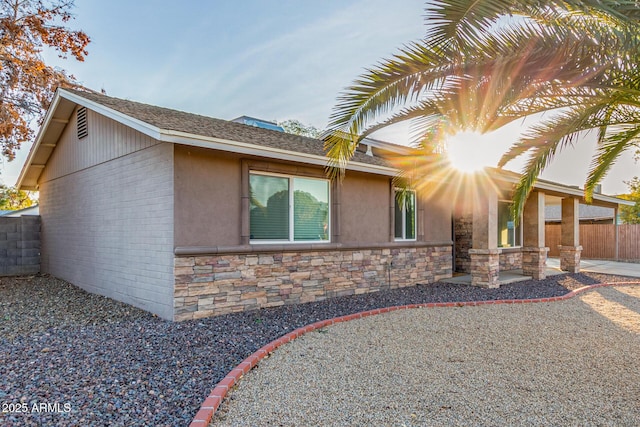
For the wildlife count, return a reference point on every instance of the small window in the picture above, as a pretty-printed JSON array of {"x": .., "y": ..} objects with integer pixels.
[
  {"x": 405, "y": 216},
  {"x": 288, "y": 209},
  {"x": 508, "y": 233},
  {"x": 83, "y": 129}
]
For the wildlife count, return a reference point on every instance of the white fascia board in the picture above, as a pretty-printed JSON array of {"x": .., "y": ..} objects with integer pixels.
[
  {"x": 177, "y": 137},
  {"x": 187, "y": 139},
  {"x": 544, "y": 185},
  {"x": 139, "y": 125},
  {"x": 136, "y": 124},
  {"x": 45, "y": 125},
  {"x": 580, "y": 192}
]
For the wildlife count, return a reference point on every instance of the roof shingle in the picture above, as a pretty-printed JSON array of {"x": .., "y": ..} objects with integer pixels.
[{"x": 175, "y": 120}]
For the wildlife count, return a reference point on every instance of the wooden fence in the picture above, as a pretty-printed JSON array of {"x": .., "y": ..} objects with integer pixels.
[{"x": 598, "y": 241}]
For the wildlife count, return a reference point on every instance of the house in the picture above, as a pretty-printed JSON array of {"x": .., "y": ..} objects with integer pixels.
[
  {"x": 239, "y": 217},
  {"x": 588, "y": 214}
]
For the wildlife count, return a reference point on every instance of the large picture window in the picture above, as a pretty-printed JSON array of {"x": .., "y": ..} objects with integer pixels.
[
  {"x": 287, "y": 208},
  {"x": 508, "y": 233},
  {"x": 405, "y": 216}
]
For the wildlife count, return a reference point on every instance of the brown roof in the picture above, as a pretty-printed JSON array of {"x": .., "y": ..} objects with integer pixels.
[{"x": 168, "y": 119}]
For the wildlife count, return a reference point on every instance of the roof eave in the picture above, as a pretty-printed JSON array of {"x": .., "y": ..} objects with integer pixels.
[
  {"x": 221, "y": 144},
  {"x": 32, "y": 152},
  {"x": 176, "y": 137},
  {"x": 573, "y": 191},
  {"x": 59, "y": 96}
]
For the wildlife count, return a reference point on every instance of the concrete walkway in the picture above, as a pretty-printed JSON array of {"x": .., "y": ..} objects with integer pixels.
[
  {"x": 553, "y": 268},
  {"x": 601, "y": 266}
]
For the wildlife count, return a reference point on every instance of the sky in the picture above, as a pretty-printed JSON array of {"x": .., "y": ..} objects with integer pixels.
[{"x": 274, "y": 60}]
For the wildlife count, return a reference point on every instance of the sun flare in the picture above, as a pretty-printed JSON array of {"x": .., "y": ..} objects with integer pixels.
[{"x": 470, "y": 152}]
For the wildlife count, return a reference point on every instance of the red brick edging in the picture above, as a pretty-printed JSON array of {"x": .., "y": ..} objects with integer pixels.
[{"x": 213, "y": 401}]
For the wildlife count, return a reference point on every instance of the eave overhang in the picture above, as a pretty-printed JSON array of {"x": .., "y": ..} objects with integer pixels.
[{"x": 64, "y": 103}]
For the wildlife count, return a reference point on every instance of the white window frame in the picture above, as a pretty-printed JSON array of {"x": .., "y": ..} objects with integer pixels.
[
  {"x": 404, "y": 217},
  {"x": 291, "y": 240},
  {"x": 519, "y": 228}
]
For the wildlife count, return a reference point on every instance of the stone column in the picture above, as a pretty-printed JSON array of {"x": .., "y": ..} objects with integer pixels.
[
  {"x": 534, "y": 252},
  {"x": 570, "y": 248},
  {"x": 485, "y": 267},
  {"x": 485, "y": 255},
  {"x": 617, "y": 233}
]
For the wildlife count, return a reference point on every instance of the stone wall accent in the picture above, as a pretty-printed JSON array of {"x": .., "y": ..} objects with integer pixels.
[
  {"x": 533, "y": 262},
  {"x": 485, "y": 267},
  {"x": 463, "y": 231},
  {"x": 211, "y": 285},
  {"x": 510, "y": 259},
  {"x": 19, "y": 245},
  {"x": 570, "y": 258}
]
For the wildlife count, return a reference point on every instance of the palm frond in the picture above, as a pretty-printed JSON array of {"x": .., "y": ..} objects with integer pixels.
[{"x": 608, "y": 152}]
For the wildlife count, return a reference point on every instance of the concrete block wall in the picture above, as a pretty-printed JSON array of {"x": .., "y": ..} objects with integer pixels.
[
  {"x": 210, "y": 285},
  {"x": 108, "y": 228},
  {"x": 19, "y": 245}
]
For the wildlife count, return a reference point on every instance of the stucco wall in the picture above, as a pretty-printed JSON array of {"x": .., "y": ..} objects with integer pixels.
[
  {"x": 364, "y": 208},
  {"x": 207, "y": 204},
  {"x": 208, "y": 200},
  {"x": 437, "y": 218},
  {"x": 108, "y": 227}
]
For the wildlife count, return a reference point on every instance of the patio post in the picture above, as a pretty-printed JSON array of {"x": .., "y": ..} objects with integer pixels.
[
  {"x": 617, "y": 233},
  {"x": 485, "y": 255},
  {"x": 534, "y": 252},
  {"x": 570, "y": 248}
]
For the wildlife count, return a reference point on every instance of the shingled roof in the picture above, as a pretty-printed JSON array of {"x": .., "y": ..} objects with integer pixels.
[{"x": 175, "y": 120}]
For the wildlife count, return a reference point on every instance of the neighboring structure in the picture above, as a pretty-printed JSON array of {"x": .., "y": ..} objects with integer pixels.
[
  {"x": 239, "y": 217},
  {"x": 588, "y": 214},
  {"x": 31, "y": 210}
]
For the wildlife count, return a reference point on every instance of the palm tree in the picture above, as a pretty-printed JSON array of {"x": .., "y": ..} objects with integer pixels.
[{"x": 483, "y": 64}]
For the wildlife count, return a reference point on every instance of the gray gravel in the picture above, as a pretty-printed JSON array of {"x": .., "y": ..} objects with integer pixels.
[
  {"x": 119, "y": 366},
  {"x": 558, "y": 363}
]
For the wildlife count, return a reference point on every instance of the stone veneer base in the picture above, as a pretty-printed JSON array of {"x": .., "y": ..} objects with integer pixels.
[
  {"x": 570, "y": 258},
  {"x": 485, "y": 267},
  {"x": 211, "y": 285},
  {"x": 534, "y": 262}
]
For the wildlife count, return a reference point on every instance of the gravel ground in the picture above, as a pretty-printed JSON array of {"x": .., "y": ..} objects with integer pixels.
[
  {"x": 99, "y": 362},
  {"x": 560, "y": 364}
]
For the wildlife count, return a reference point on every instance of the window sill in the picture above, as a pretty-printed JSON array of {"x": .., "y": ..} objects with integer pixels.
[
  {"x": 299, "y": 247},
  {"x": 507, "y": 249}
]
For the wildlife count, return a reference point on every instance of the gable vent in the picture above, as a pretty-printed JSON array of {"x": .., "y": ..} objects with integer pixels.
[{"x": 83, "y": 129}]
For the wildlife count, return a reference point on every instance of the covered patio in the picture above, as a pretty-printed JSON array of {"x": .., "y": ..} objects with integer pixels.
[{"x": 491, "y": 249}]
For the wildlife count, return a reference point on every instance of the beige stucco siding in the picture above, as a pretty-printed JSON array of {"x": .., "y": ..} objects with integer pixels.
[
  {"x": 107, "y": 217},
  {"x": 208, "y": 208},
  {"x": 207, "y": 203},
  {"x": 364, "y": 208},
  {"x": 437, "y": 211}
]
